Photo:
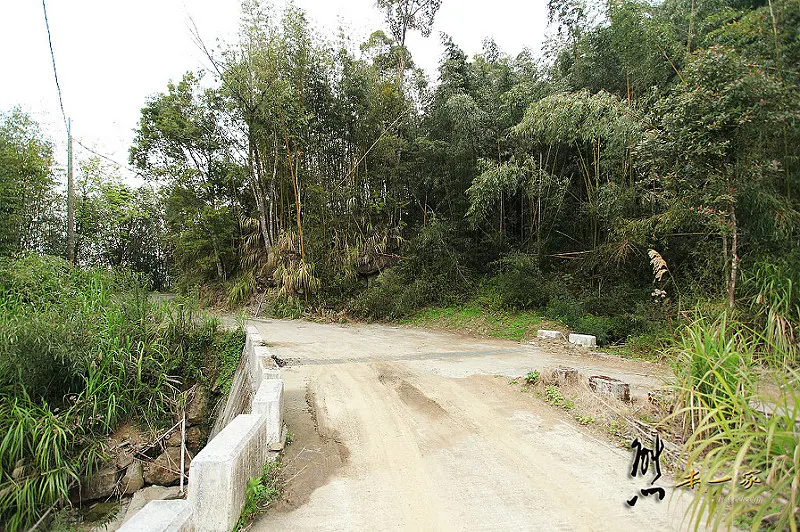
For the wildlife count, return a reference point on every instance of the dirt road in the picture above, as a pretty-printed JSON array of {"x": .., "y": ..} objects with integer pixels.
[{"x": 411, "y": 429}]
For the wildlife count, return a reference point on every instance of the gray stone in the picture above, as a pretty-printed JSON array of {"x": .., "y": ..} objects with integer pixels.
[
  {"x": 150, "y": 493},
  {"x": 565, "y": 375},
  {"x": 165, "y": 470},
  {"x": 197, "y": 406},
  {"x": 552, "y": 335},
  {"x": 610, "y": 386},
  {"x": 161, "y": 516},
  {"x": 133, "y": 480},
  {"x": 100, "y": 485},
  {"x": 586, "y": 340},
  {"x": 123, "y": 459},
  {"x": 193, "y": 437}
]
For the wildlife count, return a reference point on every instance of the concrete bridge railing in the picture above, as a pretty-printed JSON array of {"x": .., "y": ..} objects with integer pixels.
[{"x": 248, "y": 433}]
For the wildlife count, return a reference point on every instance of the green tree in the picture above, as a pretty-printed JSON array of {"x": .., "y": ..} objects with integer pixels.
[
  {"x": 405, "y": 15},
  {"x": 714, "y": 156},
  {"x": 181, "y": 140},
  {"x": 117, "y": 225},
  {"x": 29, "y": 209}
]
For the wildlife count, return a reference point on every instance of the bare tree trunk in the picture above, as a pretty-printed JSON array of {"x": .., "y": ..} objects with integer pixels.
[
  {"x": 296, "y": 192},
  {"x": 258, "y": 192},
  {"x": 273, "y": 208},
  {"x": 217, "y": 259}
]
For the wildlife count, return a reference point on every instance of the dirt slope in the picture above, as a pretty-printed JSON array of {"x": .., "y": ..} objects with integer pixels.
[{"x": 408, "y": 429}]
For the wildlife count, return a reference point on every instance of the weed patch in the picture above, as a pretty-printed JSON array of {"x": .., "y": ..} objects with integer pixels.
[{"x": 261, "y": 492}]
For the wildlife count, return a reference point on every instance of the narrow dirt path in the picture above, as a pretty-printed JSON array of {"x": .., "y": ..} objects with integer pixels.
[{"x": 409, "y": 429}]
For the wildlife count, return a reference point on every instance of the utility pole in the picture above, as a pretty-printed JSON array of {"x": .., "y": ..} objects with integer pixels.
[{"x": 70, "y": 200}]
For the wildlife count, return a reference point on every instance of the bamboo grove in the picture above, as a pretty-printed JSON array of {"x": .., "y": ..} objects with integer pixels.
[{"x": 298, "y": 165}]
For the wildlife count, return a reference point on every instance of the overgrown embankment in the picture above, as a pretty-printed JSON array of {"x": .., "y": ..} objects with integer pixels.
[{"x": 82, "y": 350}]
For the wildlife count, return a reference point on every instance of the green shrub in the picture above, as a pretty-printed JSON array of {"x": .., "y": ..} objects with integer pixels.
[
  {"x": 519, "y": 284},
  {"x": 393, "y": 296},
  {"x": 566, "y": 309},
  {"x": 436, "y": 272},
  {"x": 260, "y": 493},
  {"x": 80, "y": 351},
  {"x": 532, "y": 377}
]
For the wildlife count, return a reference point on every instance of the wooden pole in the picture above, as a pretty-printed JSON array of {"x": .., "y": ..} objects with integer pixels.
[{"x": 70, "y": 198}]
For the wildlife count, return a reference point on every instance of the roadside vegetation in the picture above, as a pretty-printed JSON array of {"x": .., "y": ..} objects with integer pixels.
[
  {"x": 636, "y": 180},
  {"x": 81, "y": 351},
  {"x": 261, "y": 492},
  {"x": 731, "y": 410}
]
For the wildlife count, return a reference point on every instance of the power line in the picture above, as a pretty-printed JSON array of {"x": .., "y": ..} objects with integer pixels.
[
  {"x": 106, "y": 157},
  {"x": 53, "y": 57}
]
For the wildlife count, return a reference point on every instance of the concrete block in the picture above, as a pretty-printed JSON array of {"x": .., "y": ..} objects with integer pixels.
[
  {"x": 260, "y": 362},
  {"x": 270, "y": 374},
  {"x": 586, "y": 340},
  {"x": 268, "y": 402},
  {"x": 610, "y": 386},
  {"x": 281, "y": 443},
  {"x": 161, "y": 516},
  {"x": 252, "y": 330},
  {"x": 566, "y": 375},
  {"x": 553, "y": 335},
  {"x": 220, "y": 472}
]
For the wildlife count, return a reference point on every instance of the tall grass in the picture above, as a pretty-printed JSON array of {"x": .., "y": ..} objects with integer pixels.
[
  {"x": 80, "y": 351},
  {"x": 738, "y": 417},
  {"x": 774, "y": 304}
]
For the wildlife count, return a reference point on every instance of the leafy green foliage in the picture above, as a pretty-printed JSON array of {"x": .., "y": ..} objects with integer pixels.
[
  {"x": 735, "y": 424},
  {"x": 80, "y": 351},
  {"x": 532, "y": 377},
  {"x": 553, "y": 396},
  {"x": 261, "y": 492},
  {"x": 28, "y": 214}
]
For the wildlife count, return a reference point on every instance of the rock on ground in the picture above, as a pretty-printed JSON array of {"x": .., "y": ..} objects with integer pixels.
[
  {"x": 100, "y": 485},
  {"x": 165, "y": 470},
  {"x": 133, "y": 480}
]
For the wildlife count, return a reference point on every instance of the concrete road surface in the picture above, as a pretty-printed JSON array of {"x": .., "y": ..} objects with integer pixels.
[{"x": 411, "y": 429}]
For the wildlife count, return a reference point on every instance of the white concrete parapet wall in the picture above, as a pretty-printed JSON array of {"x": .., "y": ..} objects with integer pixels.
[
  {"x": 255, "y": 365},
  {"x": 268, "y": 403},
  {"x": 219, "y": 474},
  {"x": 161, "y": 516}
]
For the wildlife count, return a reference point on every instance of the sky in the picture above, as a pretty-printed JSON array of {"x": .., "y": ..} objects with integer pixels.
[{"x": 112, "y": 55}]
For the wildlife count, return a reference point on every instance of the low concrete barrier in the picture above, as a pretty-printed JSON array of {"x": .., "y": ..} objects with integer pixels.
[
  {"x": 551, "y": 335},
  {"x": 268, "y": 402},
  {"x": 161, "y": 516},
  {"x": 586, "y": 340},
  {"x": 219, "y": 474},
  {"x": 255, "y": 365}
]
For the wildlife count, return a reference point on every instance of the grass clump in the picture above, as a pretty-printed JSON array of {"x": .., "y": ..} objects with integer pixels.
[
  {"x": 738, "y": 422},
  {"x": 82, "y": 350},
  {"x": 532, "y": 377},
  {"x": 553, "y": 396},
  {"x": 261, "y": 492}
]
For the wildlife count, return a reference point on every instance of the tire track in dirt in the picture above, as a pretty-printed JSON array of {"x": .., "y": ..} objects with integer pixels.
[{"x": 392, "y": 445}]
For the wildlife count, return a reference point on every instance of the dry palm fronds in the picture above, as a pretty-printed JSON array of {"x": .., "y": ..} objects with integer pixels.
[{"x": 658, "y": 263}]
